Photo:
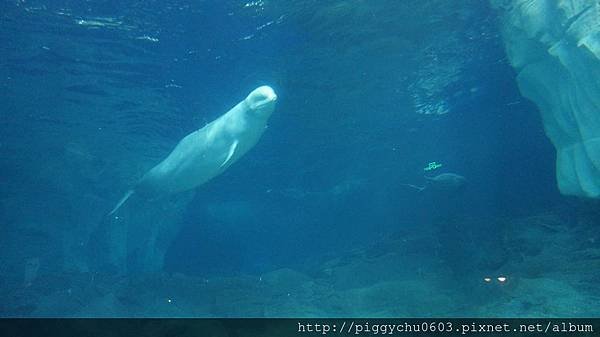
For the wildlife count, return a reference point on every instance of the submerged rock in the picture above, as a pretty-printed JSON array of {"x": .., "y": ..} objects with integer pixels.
[{"x": 555, "y": 48}]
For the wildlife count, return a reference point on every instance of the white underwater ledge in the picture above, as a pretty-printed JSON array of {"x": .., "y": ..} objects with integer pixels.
[{"x": 554, "y": 45}]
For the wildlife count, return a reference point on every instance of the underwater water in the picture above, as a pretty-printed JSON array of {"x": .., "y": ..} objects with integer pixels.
[{"x": 326, "y": 215}]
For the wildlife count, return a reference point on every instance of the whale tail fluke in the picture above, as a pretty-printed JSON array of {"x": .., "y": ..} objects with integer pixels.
[
  {"x": 122, "y": 201},
  {"x": 418, "y": 188}
]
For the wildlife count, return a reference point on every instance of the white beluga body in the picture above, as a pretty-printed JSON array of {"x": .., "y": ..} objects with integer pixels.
[{"x": 209, "y": 151}]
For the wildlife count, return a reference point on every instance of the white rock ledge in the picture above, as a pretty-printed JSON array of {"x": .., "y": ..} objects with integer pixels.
[{"x": 554, "y": 45}]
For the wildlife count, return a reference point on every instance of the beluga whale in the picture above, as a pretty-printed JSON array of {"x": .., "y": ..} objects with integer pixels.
[{"x": 209, "y": 151}]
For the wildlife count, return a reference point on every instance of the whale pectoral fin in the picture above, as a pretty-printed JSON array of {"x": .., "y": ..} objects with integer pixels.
[
  {"x": 231, "y": 152},
  {"x": 122, "y": 201}
]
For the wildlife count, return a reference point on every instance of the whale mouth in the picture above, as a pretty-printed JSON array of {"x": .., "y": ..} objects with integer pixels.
[{"x": 260, "y": 104}]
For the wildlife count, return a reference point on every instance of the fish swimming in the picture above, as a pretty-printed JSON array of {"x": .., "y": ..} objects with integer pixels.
[{"x": 445, "y": 182}]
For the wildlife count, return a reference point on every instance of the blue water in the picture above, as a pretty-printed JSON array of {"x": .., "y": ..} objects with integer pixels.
[{"x": 95, "y": 93}]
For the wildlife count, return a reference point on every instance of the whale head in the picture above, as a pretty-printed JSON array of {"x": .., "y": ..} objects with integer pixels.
[{"x": 262, "y": 101}]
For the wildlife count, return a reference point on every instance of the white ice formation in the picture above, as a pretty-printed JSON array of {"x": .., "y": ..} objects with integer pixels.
[{"x": 554, "y": 45}]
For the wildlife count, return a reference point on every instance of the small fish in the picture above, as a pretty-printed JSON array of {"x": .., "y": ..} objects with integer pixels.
[{"x": 445, "y": 182}]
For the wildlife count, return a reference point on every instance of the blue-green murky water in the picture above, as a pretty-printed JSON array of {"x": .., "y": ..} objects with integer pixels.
[{"x": 318, "y": 218}]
